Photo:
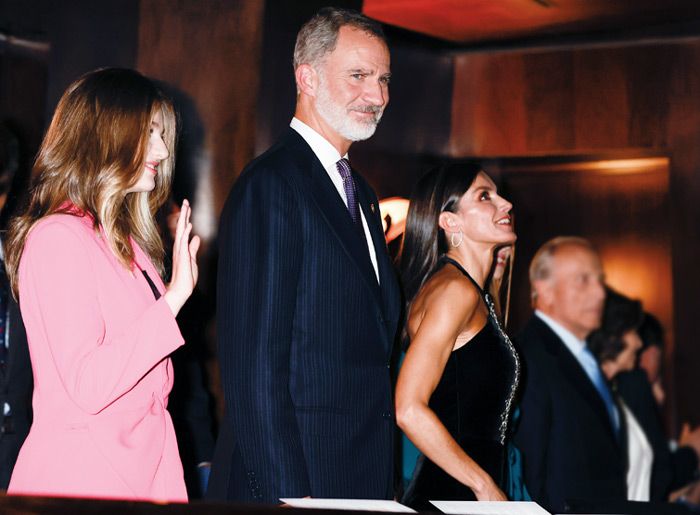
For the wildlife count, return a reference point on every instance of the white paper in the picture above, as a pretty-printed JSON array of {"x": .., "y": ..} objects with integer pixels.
[
  {"x": 489, "y": 508},
  {"x": 349, "y": 504}
]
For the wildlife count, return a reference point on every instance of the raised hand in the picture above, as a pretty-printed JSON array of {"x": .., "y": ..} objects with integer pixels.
[{"x": 185, "y": 270}]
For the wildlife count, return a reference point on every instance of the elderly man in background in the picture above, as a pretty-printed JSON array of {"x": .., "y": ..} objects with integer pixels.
[{"x": 570, "y": 431}]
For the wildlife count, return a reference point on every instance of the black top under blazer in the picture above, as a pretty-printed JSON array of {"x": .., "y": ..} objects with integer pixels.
[
  {"x": 569, "y": 448},
  {"x": 305, "y": 335}
]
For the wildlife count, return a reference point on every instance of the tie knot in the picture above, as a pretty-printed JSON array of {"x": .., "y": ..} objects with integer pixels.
[{"x": 343, "y": 166}]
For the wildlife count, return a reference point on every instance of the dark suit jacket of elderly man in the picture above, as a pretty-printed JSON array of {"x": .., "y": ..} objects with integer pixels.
[
  {"x": 570, "y": 451},
  {"x": 305, "y": 335}
]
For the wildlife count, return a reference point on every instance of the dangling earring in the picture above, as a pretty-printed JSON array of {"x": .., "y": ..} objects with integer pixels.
[{"x": 452, "y": 238}]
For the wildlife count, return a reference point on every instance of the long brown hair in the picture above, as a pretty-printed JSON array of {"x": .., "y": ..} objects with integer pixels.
[
  {"x": 93, "y": 151},
  {"x": 424, "y": 241}
]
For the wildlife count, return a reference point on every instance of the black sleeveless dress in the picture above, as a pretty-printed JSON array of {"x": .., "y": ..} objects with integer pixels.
[{"x": 474, "y": 400}]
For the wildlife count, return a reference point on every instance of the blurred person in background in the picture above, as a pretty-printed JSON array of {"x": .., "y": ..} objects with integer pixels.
[
  {"x": 615, "y": 345},
  {"x": 651, "y": 355},
  {"x": 570, "y": 428},
  {"x": 15, "y": 367},
  {"x": 674, "y": 466}
]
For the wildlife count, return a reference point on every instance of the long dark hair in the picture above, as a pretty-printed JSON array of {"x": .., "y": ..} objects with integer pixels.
[{"x": 424, "y": 241}]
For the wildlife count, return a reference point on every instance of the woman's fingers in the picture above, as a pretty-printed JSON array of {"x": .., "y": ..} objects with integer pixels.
[
  {"x": 194, "y": 247},
  {"x": 185, "y": 252},
  {"x": 181, "y": 222}
]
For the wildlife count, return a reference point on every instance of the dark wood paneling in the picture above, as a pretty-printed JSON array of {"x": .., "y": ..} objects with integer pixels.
[
  {"x": 23, "y": 82},
  {"x": 601, "y": 111},
  {"x": 572, "y": 100},
  {"x": 549, "y": 84},
  {"x": 683, "y": 133},
  {"x": 86, "y": 35},
  {"x": 488, "y": 117},
  {"x": 210, "y": 52}
]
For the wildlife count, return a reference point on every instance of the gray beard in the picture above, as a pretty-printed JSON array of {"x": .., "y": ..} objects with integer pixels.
[{"x": 339, "y": 120}]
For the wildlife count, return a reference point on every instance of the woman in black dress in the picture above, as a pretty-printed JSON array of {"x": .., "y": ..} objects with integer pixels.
[{"x": 456, "y": 389}]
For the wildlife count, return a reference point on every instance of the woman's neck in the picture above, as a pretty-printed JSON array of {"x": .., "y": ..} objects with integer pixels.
[{"x": 476, "y": 262}]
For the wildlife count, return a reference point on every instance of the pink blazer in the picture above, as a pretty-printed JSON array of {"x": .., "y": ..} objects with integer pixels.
[{"x": 99, "y": 344}]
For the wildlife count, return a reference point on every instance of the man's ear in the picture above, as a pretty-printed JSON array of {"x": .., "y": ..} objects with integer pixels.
[
  {"x": 544, "y": 292},
  {"x": 447, "y": 222},
  {"x": 307, "y": 79}
]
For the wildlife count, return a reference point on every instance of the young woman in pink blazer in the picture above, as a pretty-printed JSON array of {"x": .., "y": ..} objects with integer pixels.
[{"x": 85, "y": 260}]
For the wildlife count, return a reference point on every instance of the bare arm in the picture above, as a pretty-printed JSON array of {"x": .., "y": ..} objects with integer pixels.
[{"x": 425, "y": 361}]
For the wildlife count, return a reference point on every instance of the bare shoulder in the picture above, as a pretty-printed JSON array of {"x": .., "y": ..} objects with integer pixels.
[
  {"x": 448, "y": 287},
  {"x": 447, "y": 298}
]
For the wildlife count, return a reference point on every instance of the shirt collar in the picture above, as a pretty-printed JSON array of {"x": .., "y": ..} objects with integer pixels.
[
  {"x": 572, "y": 342},
  {"x": 324, "y": 150}
]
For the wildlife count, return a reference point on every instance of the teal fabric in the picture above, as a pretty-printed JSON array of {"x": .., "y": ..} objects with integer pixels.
[
  {"x": 515, "y": 487},
  {"x": 409, "y": 452},
  {"x": 410, "y": 456}
]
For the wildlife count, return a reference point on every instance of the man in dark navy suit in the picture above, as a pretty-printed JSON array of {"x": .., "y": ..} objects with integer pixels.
[
  {"x": 308, "y": 304},
  {"x": 571, "y": 433}
]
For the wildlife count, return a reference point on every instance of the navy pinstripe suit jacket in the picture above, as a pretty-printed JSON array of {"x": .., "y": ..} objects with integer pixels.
[{"x": 305, "y": 335}]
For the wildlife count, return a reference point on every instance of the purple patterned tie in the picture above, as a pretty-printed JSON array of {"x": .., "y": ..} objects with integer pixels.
[{"x": 343, "y": 166}]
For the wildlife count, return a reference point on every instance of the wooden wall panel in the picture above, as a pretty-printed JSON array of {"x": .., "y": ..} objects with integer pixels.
[
  {"x": 549, "y": 87},
  {"x": 649, "y": 74},
  {"x": 572, "y": 100},
  {"x": 491, "y": 118},
  {"x": 601, "y": 113},
  {"x": 209, "y": 53}
]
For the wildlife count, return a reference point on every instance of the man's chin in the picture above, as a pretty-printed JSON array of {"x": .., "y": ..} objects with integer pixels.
[{"x": 360, "y": 134}]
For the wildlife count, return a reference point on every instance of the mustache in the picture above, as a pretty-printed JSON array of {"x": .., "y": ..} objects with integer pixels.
[{"x": 368, "y": 109}]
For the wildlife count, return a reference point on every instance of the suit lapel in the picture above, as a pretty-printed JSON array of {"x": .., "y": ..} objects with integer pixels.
[
  {"x": 576, "y": 375},
  {"x": 335, "y": 213},
  {"x": 387, "y": 278}
]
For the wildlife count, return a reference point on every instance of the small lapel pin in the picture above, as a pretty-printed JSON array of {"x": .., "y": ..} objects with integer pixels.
[{"x": 371, "y": 206}]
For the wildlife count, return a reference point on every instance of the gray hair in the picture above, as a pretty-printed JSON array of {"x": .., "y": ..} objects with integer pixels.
[
  {"x": 541, "y": 264},
  {"x": 319, "y": 35}
]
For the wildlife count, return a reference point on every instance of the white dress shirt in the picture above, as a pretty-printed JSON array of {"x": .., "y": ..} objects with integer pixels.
[
  {"x": 641, "y": 459},
  {"x": 572, "y": 343},
  {"x": 329, "y": 156}
]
